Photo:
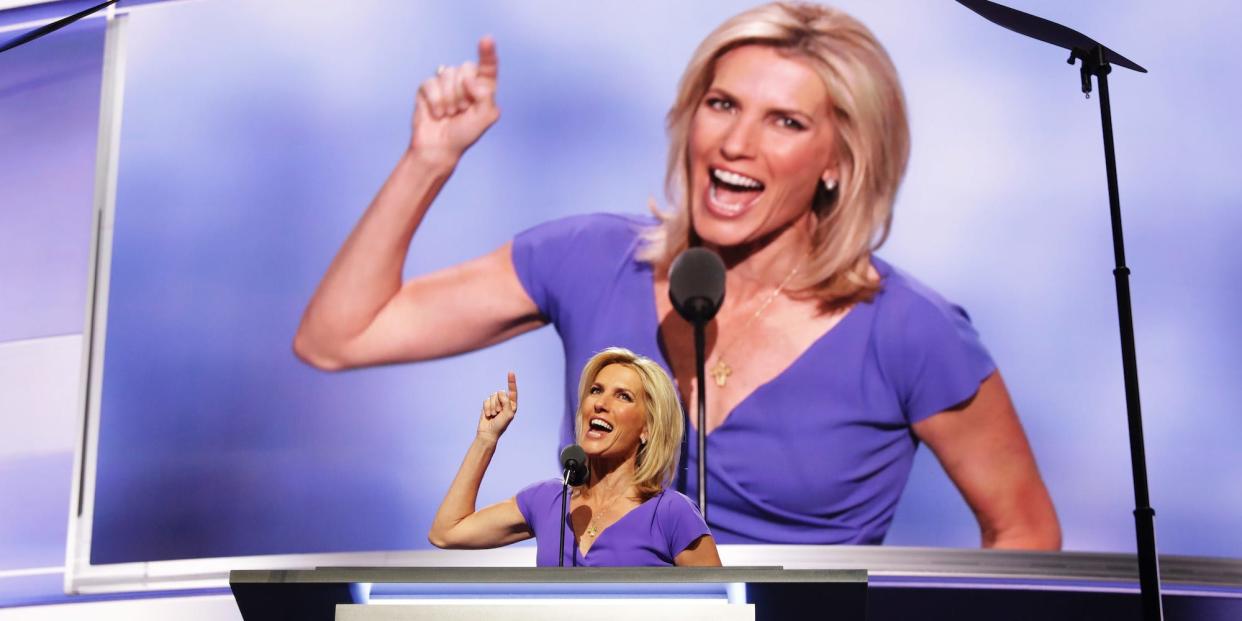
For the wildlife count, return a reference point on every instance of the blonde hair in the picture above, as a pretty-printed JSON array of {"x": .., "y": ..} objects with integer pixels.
[
  {"x": 659, "y": 456},
  {"x": 873, "y": 142}
]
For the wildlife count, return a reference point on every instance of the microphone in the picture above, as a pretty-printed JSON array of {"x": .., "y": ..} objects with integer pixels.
[
  {"x": 574, "y": 464},
  {"x": 574, "y": 471},
  {"x": 696, "y": 287},
  {"x": 696, "y": 284}
]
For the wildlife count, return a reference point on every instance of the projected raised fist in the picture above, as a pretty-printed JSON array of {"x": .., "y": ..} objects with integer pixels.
[{"x": 457, "y": 105}]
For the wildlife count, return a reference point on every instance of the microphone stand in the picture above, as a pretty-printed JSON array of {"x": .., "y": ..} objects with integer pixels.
[
  {"x": 1097, "y": 61},
  {"x": 560, "y": 558},
  {"x": 700, "y": 360}
]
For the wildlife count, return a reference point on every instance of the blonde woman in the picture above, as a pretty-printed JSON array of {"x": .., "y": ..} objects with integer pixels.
[
  {"x": 788, "y": 140},
  {"x": 629, "y": 423}
]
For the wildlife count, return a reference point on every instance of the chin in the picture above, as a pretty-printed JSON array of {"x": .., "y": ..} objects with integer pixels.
[
  {"x": 723, "y": 232},
  {"x": 594, "y": 447}
]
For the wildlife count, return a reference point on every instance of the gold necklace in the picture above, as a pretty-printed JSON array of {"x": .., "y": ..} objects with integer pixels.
[
  {"x": 593, "y": 529},
  {"x": 721, "y": 370}
]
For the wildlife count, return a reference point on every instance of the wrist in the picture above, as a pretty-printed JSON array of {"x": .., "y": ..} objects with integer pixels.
[
  {"x": 486, "y": 440},
  {"x": 431, "y": 160}
]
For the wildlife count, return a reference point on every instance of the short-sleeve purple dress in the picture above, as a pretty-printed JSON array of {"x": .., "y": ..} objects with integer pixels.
[
  {"x": 650, "y": 535},
  {"x": 776, "y": 474}
]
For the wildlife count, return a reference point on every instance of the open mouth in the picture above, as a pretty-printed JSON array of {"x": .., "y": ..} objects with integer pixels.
[
  {"x": 598, "y": 428},
  {"x": 730, "y": 193}
]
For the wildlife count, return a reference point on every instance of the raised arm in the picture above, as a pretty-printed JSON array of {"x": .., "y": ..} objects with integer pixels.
[
  {"x": 362, "y": 314},
  {"x": 457, "y": 524},
  {"x": 985, "y": 452}
]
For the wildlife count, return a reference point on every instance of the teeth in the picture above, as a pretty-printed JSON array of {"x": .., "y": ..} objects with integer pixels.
[
  {"x": 733, "y": 178},
  {"x": 596, "y": 422}
]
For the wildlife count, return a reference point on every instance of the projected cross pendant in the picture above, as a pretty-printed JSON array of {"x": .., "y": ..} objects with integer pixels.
[{"x": 721, "y": 372}]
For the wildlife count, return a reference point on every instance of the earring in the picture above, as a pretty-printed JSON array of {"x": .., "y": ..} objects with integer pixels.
[{"x": 830, "y": 184}]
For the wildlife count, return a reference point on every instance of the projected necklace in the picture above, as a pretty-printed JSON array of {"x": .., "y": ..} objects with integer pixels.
[{"x": 721, "y": 370}]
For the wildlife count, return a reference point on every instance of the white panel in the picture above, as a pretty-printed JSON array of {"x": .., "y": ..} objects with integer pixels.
[
  {"x": 207, "y": 608},
  {"x": 77, "y": 548},
  {"x": 211, "y": 573},
  {"x": 39, "y": 395}
]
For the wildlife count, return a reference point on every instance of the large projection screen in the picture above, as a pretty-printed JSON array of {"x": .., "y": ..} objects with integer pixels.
[{"x": 255, "y": 133}]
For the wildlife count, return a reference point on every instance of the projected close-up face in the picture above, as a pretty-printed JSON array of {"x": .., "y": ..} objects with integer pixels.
[{"x": 761, "y": 141}]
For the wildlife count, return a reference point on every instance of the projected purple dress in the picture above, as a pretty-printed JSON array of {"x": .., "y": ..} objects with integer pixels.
[
  {"x": 775, "y": 475},
  {"x": 650, "y": 535}
]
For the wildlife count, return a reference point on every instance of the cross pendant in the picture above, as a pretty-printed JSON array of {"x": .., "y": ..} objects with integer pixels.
[{"x": 721, "y": 372}]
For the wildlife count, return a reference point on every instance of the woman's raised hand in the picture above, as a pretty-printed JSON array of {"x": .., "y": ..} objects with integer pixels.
[
  {"x": 498, "y": 410},
  {"x": 457, "y": 105}
]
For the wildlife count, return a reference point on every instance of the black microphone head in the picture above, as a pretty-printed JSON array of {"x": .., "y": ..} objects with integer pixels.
[
  {"x": 574, "y": 460},
  {"x": 696, "y": 284}
]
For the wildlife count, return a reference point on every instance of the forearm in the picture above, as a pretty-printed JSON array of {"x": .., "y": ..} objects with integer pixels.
[
  {"x": 985, "y": 452},
  {"x": 1032, "y": 524},
  {"x": 1048, "y": 539},
  {"x": 366, "y": 273},
  {"x": 460, "y": 501}
]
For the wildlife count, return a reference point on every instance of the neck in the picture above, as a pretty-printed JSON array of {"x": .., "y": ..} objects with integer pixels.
[
  {"x": 609, "y": 480},
  {"x": 757, "y": 267}
]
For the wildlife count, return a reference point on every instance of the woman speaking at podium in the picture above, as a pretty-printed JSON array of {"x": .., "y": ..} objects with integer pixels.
[
  {"x": 788, "y": 140},
  {"x": 629, "y": 423}
]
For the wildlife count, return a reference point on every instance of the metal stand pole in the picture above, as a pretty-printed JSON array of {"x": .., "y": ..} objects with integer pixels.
[
  {"x": 1094, "y": 63},
  {"x": 700, "y": 340}
]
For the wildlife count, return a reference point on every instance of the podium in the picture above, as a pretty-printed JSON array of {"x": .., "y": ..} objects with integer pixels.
[
  {"x": 649, "y": 593},
  {"x": 880, "y": 583}
]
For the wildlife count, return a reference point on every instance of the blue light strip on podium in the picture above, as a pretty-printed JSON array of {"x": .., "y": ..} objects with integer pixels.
[{"x": 535, "y": 590}]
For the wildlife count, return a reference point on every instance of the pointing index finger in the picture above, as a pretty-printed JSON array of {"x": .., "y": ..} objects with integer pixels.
[
  {"x": 513, "y": 387},
  {"x": 489, "y": 62}
]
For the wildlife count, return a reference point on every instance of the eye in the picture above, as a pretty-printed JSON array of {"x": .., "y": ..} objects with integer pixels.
[
  {"x": 625, "y": 396},
  {"x": 789, "y": 122},
  {"x": 595, "y": 390},
  {"x": 719, "y": 103}
]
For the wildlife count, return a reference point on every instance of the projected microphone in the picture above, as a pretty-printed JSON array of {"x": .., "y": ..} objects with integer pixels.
[
  {"x": 696, "y": 287},
  {"x": 574, "y": 472},
  {"x": 696, "y": 284}
]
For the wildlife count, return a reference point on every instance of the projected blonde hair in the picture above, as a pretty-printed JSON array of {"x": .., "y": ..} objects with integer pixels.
[
  {"x": 873, "y": 142},
  {"x": 658, "y": 458}
]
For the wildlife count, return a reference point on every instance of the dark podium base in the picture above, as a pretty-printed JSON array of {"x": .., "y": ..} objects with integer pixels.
[{"x": 312, "y": 595}]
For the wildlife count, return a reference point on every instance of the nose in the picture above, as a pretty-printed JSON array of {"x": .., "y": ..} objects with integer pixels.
[{"x": 739, "y": 139}]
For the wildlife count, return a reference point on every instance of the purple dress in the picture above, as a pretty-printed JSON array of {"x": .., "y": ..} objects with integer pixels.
[
  {"x": 776, "y": 475},
  {"x": 650, "y": 535}
]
